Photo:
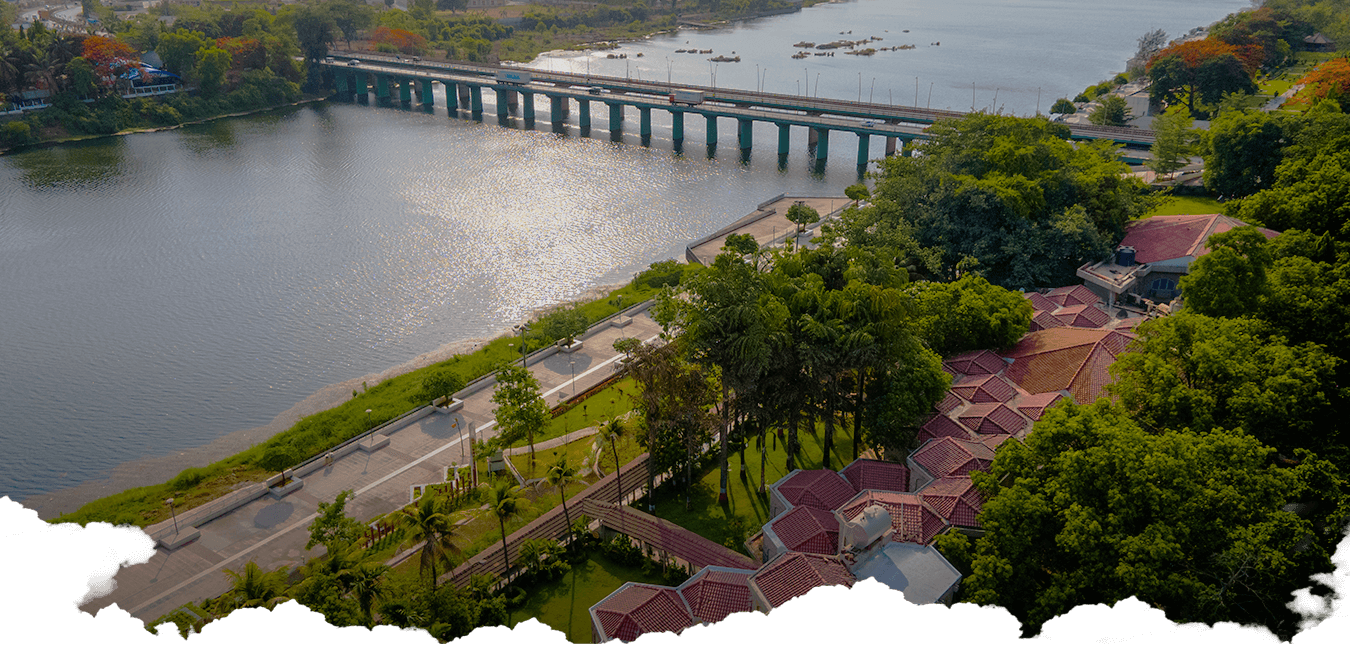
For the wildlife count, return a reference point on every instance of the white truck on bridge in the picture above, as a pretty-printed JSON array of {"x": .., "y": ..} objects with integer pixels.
[
  {"x": 687, "y": 97},
  {"x": 517, "y": 77}
]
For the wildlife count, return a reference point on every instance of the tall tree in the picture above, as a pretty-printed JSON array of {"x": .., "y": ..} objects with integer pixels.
[
  {"x": 1198, "y": 73},
  {"x": 254, "y": 587},
  {"x": 559, "y": 475},
  {"x": 1113, "y": 111},
  {"x": 969, "y": 314},
  {"x": 1231, "y": 276},
  {"x": 1174, "y": 143},
  {"x": 1241, "y": 152},
  {"x": 504, "y": 503},
  {"x": 332, "y": 526},
  {"x": 428, "y": 522},
  {"x": 367, "y": 586},
  {"x": 521, "y": 411},
  {"x": 1092, "y": 509},
  {"x": 612, "y": 431}
]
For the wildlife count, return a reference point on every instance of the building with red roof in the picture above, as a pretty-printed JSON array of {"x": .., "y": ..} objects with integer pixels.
[
  {"x": 943, "y": 457},
  {"x": 1033, "y": 406},
  {"x": 1043, "y": 320},
  {"x": 1071, "y": 296},
  {"x": 716, "y": 592},
  {"x": 794, "y": 574},
  {"x": 978, "y": 362},
  {"x": 912, "y": 520},
  {"x": 636, "y": 609},
  {"x": 992, "y": 419},
  {"x": 869, "y": 474},
  {"x": 1069, "y": 359},
  {"x": 818, "y": 488},
  {"x": 1082, "y": 316},
  {"x": 983, "y": 389},
  {"x": 955, "y": 499},
  {"x": 941, "y": 426},
  {"x": 1154, "y": 254},
  {"x": 803, "y": 529}
]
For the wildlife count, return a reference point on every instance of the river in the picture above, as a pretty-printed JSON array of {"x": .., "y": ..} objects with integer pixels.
[{"x": 162, "y": 290}]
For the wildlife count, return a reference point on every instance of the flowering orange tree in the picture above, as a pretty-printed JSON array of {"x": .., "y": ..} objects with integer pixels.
[
  {"x": 1331, "y": 80},
  {"x": 109, "y": 56},
  {"x": 1202, "y": 69},
  {"x": 402, "y": 39}
]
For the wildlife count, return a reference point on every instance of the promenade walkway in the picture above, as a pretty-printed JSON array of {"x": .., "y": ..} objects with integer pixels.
[{"x": 273, "y": 531}]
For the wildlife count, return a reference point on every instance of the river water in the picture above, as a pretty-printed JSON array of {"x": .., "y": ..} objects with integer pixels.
[{"x": 161, "y": 290}]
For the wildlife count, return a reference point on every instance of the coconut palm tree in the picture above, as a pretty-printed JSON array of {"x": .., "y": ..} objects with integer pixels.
[
  {"x": 505, "y": 504},
  {"x": 254, "y": 587},
  {"x": 612, "y": 431},
  {"x": 428, "y": 522},
  {"x": 367, "y": 585},
  {"x": 559, "y": 475}
]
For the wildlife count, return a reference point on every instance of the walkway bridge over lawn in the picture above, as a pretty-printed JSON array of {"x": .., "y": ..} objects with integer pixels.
[{"x": 464, "y": 85}]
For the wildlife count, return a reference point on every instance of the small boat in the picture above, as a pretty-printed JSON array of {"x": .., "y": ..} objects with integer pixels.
[
  {"x": 709, "y": 51},
  {"x": 803, "y": 44},
  {"x": 722, "y": 58},
  {"x": 801, "y": 55}
]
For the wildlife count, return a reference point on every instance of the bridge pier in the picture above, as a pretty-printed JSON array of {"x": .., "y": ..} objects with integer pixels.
[
  {"x": 677, "y": 126},
  {"x": 359, "y": 84},
  {"x": 464, "y": 94},
  {"x": 784, "y": 139},
  {"x": 557, "y": 111},
  {"x": 864, "y": 148},
  {"x": 822, "y": 143},
  {"x": 428, "y": 97},
  {"x": 405, "y": 90},
  {"x": 476, "y": 100},
  {"x": 340, "y": 84},
  {"x": 527, "y": 100},
  {"x": 712, "y": 130},
  {"x": 382, "y": 87},
  {"x": 584, "y": 113},
  {"x": 645, "y": 122},
  {"x": 615, "y": 117},
  {"x": 503, "y": 108},
  {"x": 746, "y": 130}
]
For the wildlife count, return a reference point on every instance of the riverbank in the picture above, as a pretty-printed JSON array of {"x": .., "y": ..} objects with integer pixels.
[
  {"x": 43, "y": 144},
  {"x": 137, "y": 475}
]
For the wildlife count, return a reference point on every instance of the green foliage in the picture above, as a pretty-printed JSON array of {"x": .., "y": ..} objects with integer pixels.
[
  {"x": 521, "y": 412},
  {"x": 332, "y": 527},
  {"x": 1243, "y": 150},
  {"x": 969, "y": 314},
  {"x": 1197, "y": 372},
  {"x": 1174, "y": 144},
  {"x": 802, "y": 214},
  {"x": 440, "y": 383},
  {"x": 1231, "y": 277},
  {"x": 276, "y": 457},
  {"x": 666, "y": 273},
  {"x": 1093, "y": 510},
  {"x": 212, "y": 64},
  {"x": 15, "y": 133},
  {"x": 1063, "y": 106},
  {"x": 563, "y": 323},
  {"x": 857, "y": 192},
  {"x": 188, "y": 478},
  {"x": 178, "y": 49},
  {"x": 741, "y": 244},
  {"x": 1112, "y": 112},
  {"x": 543, "y": 559},
  {"x": 1309, "y": 193}
]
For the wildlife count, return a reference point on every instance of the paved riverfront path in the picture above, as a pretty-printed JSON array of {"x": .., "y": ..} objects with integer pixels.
[{"x": 273, "y": 532}]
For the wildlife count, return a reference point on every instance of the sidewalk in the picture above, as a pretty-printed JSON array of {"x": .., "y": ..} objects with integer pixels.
[{"x": 273, "y": 532}]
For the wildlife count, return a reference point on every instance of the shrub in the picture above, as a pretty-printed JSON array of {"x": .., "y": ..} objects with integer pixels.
[
  {"x": 188, "y": 478},
  {"x": 278, "y": 457},
  {"x": 16, "y": 133},
  {"x": 666, "y": 273},
  {"x": 1063, "y": 106}
]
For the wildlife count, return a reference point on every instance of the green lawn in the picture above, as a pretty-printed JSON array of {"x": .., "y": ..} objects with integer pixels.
[
  {"x": 564, "y": 604},
  {"x": 611, "y": 402},
  {"x": 1189, "y": 205},
  {"x": 746, "y": 510}
]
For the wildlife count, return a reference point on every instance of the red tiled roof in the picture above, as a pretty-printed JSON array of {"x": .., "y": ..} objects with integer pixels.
[
  {"x": 1082, "y": 316},
  {"x": 982, "y": 389},
  {"x": 912, "y": 520},
  {"x": 955, "y": 498},
  {"x": 1128, "y": 324},
  {"x": 678, "y": 542},
  {"x": 1162, "y": 238},
  {"x": 1072, "y": 295},
  {"x": 868, "y": 474},
  {"x": 1033, "y": 406},
  {"x": 637, "y": 609},
  {"x": 1039, "y": 302},
  {"x": 1065, "y": 358},
  {"x": 949, "y": 401},
  {"x": 992, "y": 419},
  {"x": 794, "y": 574},
  {"x": 819, "y": 488},
  {"x": 1044, "y": 320},
  {"x": 951, "y": 456},
  {"x": 941, "y": 426},
  {"x": 978, "y": 362},
  {"x": 807, "y": 530},
  {"x": 717, "y": 592}
]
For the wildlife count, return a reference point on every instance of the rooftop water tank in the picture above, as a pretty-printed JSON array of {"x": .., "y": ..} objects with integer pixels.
[{"x": 1125, "y": 256}]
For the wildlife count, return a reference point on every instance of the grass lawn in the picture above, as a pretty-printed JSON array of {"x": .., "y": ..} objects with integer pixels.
[
  {"x": 564, "y": 604},
  {"x": 611, "y": 402},
  {"x": 1189, "y": 205},
  {"x": 746, "y": 510}
]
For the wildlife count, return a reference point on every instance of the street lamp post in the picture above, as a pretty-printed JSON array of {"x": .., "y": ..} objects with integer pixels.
[
  {"x": 524, "y": 363},
  {"x": 174, "y": 515},
  {"x": 370, "y": 433}
]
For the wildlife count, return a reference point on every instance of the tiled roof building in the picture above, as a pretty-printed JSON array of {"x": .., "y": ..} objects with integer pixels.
[
  {"x": 979, "y": 362},
  {"x": 943, "y": 457},
  {"x": 794, "y": 574},
  {"x": 868, "y": 474},
  {"x": 955, "y": 499},
  {"x": 941, "y": 426},
  {"x": 992, "y": 419},
  {"x": 715, "y": 592},
  {"x": 818, "y": 488},
  {"x": 912, "y": 520},
  {"x": 983, "y": 389},
  {"x": 803, "y": 529},
  {"x": 638, "y": 609},
  {"x": 1065, "y": 358}
]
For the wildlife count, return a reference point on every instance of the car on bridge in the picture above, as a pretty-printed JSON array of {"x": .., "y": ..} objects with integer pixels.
[{"x": 353, "y": 62}]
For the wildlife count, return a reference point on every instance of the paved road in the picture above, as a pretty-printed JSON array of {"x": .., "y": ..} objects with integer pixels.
[{"x": 273, "y": 532}]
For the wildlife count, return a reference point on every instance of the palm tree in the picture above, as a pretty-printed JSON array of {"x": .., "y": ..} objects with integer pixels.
[
  {"x": 560, "y": 474},
  {"x": 367, "y": 585},
  {"x": 504, "y": 504},
  {"x": 255, "y": 587},
  {"x": 612, "y": 431},
  {"x": 428, "y": 522}
]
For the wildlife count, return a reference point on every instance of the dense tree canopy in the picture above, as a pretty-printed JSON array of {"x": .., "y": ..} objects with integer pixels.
[
  {"x": 1094, "y": 509},
  {"x": 1199, "y": 73},
  {"x": 969, "y": 314},
  {"x": 1012, "y": 194}
]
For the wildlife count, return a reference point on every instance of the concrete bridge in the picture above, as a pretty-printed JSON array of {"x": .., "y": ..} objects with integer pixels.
[{"x": 465, "y": 84}]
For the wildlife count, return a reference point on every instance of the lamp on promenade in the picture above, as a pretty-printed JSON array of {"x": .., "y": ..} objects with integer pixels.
[
  {"x": 174, "y": 515},
  {"x": 521, "y": 328},
  {"x": 370, "y": 433},
  {"x": 572, "y": 363}
]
